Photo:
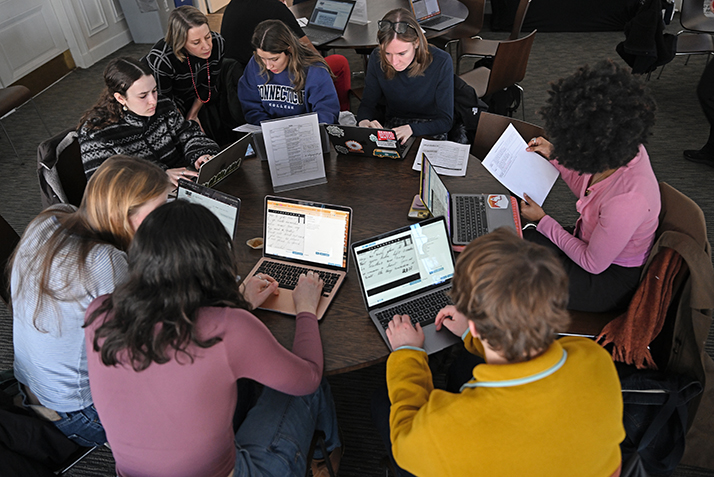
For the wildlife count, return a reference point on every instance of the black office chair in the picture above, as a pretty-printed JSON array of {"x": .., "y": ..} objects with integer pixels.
[{"x": 60, "y": 171}]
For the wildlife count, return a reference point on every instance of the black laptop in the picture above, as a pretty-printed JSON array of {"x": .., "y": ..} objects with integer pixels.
[{"x": 367, "y": 141}]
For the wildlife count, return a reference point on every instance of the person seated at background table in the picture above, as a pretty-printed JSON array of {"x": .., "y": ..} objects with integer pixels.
[
  {"x": 129, "y": 118},
  {"x": 535, "y": 406},
  {"x": 68, "y": 257},
  {"x": 166, "y": 348},
  {"x": 285, "y": 78},
  {"x": 242, "y": 16},
  {"x": 413, "y": 79},
  {"x": 705, "y": 93},
  {"x": 598, "y": 121},
  {"x": 187, "y": 66}
]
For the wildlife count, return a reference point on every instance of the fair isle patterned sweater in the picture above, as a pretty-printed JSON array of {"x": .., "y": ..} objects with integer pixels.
[{"x": 165, "y": 138}]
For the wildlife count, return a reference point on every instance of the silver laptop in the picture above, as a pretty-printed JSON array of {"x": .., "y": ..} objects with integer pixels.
[
  {"x": 468, "y": 215},
  {"x": 300, "y": 236},
  {"x": 428, "y": 14},
  {"x": 328, "y": 20},
  {"x": 224, "y": 206},
  {"x": 408, "y": 271},
  {"x": 224, "y": 163}
]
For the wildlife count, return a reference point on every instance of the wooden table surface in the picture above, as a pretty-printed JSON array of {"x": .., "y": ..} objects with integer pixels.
[
  {"x": 380, "y": 192},
  {"x": 365, "y": 36}
]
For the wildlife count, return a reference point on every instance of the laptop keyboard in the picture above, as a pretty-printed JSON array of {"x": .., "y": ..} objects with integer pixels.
[
  {"x": 421, "y": 310},
  {"x": 471, "y": 217},
  {"x": 287, "y": 275},
  {"x": 322, "y": 37}
]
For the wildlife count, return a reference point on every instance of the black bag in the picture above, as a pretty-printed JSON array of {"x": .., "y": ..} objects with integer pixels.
[
  {"x": 467, "y": 110},
  {"x": 655, "y": 419}
]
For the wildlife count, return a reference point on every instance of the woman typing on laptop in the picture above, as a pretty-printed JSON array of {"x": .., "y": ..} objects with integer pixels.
[
  {"x": 166, "y": 348},
  {"x": 414, "y": 80},
  {"x": 286, "y": 78},
  {"x": 598, "y": 120},
  {"x": 129, "y": 118}
]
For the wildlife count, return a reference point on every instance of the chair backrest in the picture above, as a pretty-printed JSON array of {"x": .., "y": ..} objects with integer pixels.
[
  {"x": 477, "y": 10},
  {"x": 491, "y": 127},
  {"x": 60, "y": 170},
  {"x": 71, "y": 172},
  {"x": 519, "y": 18},
  {"x": 8, "y": 241},
  {"x": 692, "y": 17},
  {"x": 510, "y": 62}
]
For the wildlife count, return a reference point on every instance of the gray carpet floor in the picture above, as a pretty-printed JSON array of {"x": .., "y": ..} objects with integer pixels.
[{"x": 680, "y": 125}]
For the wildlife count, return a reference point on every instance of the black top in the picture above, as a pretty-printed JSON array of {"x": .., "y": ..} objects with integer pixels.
[{"x": 242, "y": 16}]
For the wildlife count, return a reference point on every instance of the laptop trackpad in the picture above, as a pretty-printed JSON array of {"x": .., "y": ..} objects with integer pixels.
[
  {"x": 283, "y": 303},
  {"x": 437, "y": 340}
]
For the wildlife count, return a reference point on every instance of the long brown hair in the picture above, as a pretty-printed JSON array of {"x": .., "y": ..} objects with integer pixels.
[
  {"x": 181, "y": 20},
  {"x": 273, "y": 36},
  {"x": 413, "y": 35},
  {"x": 120, "y": 186},
  {"x": 119, "y": 75}
]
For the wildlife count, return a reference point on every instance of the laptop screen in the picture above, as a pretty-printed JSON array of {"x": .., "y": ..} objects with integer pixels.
[
  {"x": 308, "y": 231},
  {"x": 404, "y": 261},
  {"x": 331, "y": 14},
  {"x": 424, "y": 9},
  {"x": 223, "y": 206},
  {"x": 434, "y": 193}
]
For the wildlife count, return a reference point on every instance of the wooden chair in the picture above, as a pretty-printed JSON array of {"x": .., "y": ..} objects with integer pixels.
[
  {"x": 60, "y": 170},
  {"x": 479, "y": 48},
  {"x": 491, "y": 127},
  {"x": 509, "y": 67},
  {"x": 696, "y": 37},
  {"x": 8, "y": 241},
  {"x": 11, "y": 98},
  {"x": 467, "y": 29}
]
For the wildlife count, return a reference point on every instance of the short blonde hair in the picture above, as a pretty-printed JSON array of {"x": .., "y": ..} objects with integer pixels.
[
  {"x": 181, "y": 20},
  {"x": 414, "y": 35},
  {"x": 515, "y": 292}
]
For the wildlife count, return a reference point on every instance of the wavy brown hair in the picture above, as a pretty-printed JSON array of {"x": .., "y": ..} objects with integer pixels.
[
  {"x": 275, "y": 37},
  {"x": 120, "y": 186},
  {"x": 181, "y": 20},
  {"x": 181, "y": 260},
  {"x": 414, "y": 35},
  {"x": 515, "y": 292},
  {"x": 119, "y": 75}
]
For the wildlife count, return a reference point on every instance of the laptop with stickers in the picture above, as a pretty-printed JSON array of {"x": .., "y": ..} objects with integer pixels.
[
  {"x": 367, "y": 141},
  {"x": 224, "y": 163}
]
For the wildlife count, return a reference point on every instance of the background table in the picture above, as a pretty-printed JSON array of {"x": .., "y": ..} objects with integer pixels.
[
  {"x": 380, "y": 192},
  {"x": 365, "y": 36}
]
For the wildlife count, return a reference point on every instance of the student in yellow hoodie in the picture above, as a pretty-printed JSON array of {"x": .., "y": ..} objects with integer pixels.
[{"x": 536, "y": 406}]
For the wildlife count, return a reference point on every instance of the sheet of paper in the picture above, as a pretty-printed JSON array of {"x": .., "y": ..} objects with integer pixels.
[
  {"x": 247, "y": 128},
  {"x": 519, "y": 170},
  {"x": 359, "y": 14},
  {"x": 448, "y": 158},
  {"x": 302, "y": 21},
  {"x": 294, "y": 151}
]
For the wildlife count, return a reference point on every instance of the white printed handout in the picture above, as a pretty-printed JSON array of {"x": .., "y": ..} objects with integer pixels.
[
  {"x": 519, "y": 170},
  {"x": 294, "y": 151},
  {"x": 359, "y": 14},
  {"x": 448, "y": 158}
]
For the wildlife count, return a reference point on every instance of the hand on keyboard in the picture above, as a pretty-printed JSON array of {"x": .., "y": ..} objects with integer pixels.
[
  {"x": 307, "y": 293},
  {"x": 401, "y": 332},
  {"x": 452, "y": 320},
  {"x": 258, "y": 288}
]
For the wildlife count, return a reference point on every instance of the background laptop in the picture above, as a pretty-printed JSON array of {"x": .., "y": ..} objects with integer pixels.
[
  {"x": 428, "y": 14},
  {"x": 408, "y": 271},
  {"x": 300, "y": 236},
  {"x": 328, "y": 20},
  {"x": 224, "y": 163},
  {"x": 468, "y": 215},
  {"x": 224, "y": 206},
  {"x": 367, "y": 141}
]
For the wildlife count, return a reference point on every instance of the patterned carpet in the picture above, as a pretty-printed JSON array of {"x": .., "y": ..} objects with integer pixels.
[{"x": 680, "y": 125}]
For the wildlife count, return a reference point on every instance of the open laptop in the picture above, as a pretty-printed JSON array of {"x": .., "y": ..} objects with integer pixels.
[
  {"x": 367, "y": 141},
  {"x": 469, "y": 215},
  {"x": 328, "y": 20},
  {"x": 300, "y": 236},
  {"x": 224, "y": 206},
  {"x": 428, "y": 14},
  {"x": 224, "y": 163},
  {"x": 408, "y": 271}
]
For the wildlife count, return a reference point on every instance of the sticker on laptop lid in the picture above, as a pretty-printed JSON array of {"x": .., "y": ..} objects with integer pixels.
[
  {"x": 498, "y": 201},
  {"x": 336, "y": 131},
  {"x": 341, "y": 149},
  {"x": 385, "y": 153},
  {"x": 354, "y": 146},
  {"x": 385, "y": 139}
]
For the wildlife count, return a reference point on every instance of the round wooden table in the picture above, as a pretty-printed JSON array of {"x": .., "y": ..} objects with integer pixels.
[
  {"x": 365, "y": 36},
  {"x": 380, "y": 192}
]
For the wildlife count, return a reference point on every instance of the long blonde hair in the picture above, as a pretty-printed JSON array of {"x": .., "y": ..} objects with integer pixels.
[
  {"x": 414, "y": 35},
  {"x": 273, "y": 36},
  {"x": 120, "y": 186},
  {"x": 181, "y": 20}
]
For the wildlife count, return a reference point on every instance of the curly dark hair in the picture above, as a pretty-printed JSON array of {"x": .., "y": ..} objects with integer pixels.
[
  {"x": 598, "y": 117},
  {"x": 181, "y": 259}
]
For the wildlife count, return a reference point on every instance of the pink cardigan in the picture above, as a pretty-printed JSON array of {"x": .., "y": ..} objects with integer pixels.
[{"x": 618, "y": 218}]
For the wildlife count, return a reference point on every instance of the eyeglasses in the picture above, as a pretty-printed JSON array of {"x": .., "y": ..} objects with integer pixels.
[{"x": 398, "y": 27}]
